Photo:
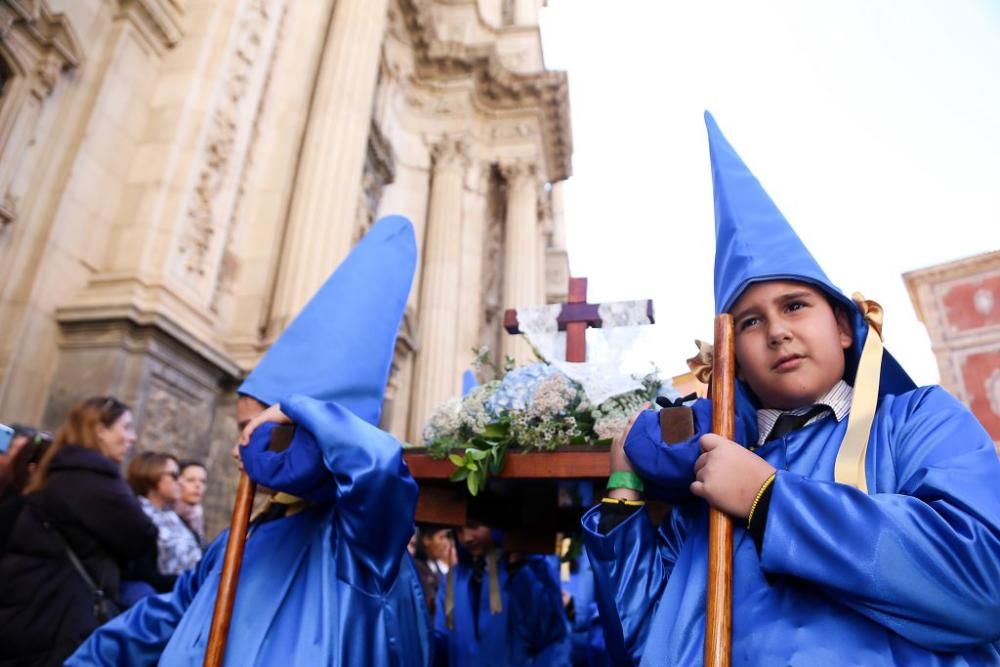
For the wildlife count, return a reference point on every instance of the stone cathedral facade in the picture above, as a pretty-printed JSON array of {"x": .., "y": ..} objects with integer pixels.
[{"x": 177, "y": 177}]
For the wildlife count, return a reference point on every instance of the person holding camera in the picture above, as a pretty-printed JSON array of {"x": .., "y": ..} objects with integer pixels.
[{"x": 76, "y": 525}]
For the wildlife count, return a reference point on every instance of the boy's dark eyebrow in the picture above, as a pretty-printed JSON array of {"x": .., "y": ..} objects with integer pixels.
[
  {"x": 783, "y": 298},
  {"x": 791, "y": 296}
]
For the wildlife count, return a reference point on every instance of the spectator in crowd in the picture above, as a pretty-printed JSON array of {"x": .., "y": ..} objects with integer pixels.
[
  {"x": 26, "y": 450},
  {"x": 430, "y": 542},
  {"x": 438, "y": 542},
  {"x": 154, "y": 476},
  {"x": 188, "y": 506},
  {"x": 60, "y": 566}
]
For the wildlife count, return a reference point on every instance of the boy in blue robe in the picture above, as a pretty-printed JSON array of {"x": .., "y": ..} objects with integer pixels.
[
  {"x": 500, "y": 610},
  {"x": 325, "y": 578},
  {"x": 869, "y": 535}
]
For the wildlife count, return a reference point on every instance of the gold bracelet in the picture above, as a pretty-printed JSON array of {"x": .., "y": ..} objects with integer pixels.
[
  {"x": 623, "y": 501},
  {"x": 760, "y": 493}
]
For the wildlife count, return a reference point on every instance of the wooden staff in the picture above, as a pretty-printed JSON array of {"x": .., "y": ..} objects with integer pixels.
[
  {"x": 226, "y": 595},
  {"x": 719, "y": 599}
]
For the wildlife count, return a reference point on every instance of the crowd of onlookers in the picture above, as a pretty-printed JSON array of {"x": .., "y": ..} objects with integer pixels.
[{"x": 81, "y": 540}]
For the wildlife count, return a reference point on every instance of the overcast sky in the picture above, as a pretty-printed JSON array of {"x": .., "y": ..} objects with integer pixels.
[{"x": 873, "y": 124}]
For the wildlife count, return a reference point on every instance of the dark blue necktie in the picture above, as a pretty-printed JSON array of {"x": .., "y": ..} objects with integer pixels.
[{"x": 788, "y": 422}]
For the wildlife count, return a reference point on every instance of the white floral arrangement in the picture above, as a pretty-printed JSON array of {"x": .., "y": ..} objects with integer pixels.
[{"x": 533, "y": 407}]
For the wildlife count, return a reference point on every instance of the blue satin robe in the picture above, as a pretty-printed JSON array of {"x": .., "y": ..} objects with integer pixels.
[
  {"x": 908, "y": 574},
  {"x": 586, "y": 633},
  {"x": 530, "y": 631},
  {"x": 327, "y": 586}
]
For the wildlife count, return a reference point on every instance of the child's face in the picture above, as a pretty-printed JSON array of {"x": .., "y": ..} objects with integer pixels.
[{"x": 789, "y": 343}]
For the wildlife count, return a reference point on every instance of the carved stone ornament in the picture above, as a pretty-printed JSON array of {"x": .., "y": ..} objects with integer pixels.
[
  {"x": 226, "y": 142},
  {"x": 36, "y": 46},
  {"x": 520, "y": 172},
  {"x": 496, "y": 87},
  {"x": 451, "y": 153},
  {"x": 40, "y": 42}
]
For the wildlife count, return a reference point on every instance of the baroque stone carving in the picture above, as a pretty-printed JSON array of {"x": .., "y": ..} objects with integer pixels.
[
  {"x": 518, "y": 172},
  {"x": 496, "y": 87},
  {"x": 227, "y": 142},
  {"x": 38, "y": 45},
  {"x": 451, "y": 153}
]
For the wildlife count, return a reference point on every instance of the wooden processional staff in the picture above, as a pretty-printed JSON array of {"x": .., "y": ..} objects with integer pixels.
[
  {"x": 226, "y": 595},
  {"x": 719, "y": 593}
]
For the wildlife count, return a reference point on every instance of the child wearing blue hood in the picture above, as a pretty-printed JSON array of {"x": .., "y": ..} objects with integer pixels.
[
  {"x": 867, "y": 520},
  {"x": 499, "y": 609},
  {"x": 326, "y": 579}
]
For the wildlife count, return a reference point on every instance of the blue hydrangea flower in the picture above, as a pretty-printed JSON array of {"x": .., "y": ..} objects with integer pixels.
[{"x": 518, "y": 387}]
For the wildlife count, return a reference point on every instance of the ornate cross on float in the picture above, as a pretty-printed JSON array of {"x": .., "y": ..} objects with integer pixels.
[{"x": 576, "y": 316}]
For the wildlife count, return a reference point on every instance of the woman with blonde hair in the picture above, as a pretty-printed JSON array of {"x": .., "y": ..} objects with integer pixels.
[{"x": 77, "y": 525}]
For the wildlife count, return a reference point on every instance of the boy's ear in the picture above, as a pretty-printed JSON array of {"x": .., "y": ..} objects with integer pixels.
[{"x": 844, "y": 327}]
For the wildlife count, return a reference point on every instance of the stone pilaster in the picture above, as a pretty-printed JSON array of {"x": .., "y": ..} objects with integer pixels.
[
  {"x": 521, "y": 277},
  {"x": 437, "y": 376},
  {"x": 328, "y": 182}
]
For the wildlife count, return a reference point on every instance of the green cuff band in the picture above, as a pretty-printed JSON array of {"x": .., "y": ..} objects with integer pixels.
[{"x": 625, "y": 479}]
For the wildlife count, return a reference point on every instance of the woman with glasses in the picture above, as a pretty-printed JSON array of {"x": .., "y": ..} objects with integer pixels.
[
  {"x": 75, "y": 528},
  {"x": 154, "y": 478}
]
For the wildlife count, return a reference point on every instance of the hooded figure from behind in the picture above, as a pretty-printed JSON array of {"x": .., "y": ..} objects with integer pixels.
[
  {"x": 325, "y": 578},
  {"x": 877, "y": 536}
]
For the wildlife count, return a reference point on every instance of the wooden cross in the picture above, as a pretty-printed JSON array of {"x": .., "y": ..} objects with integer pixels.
[{"x": 574, "y": 318}]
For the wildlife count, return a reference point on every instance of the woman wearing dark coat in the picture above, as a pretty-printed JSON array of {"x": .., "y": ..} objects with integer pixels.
[{"x": 78, "y": 498}]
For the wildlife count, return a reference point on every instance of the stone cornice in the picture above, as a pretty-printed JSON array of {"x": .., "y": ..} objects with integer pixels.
[
  {"x": 117, "y": 297},
  {"x": 496, "y": 87}
]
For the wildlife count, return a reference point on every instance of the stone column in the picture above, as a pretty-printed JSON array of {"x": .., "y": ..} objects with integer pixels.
[
  {"x": 437, "y": 377},
  {"x": 521, "y": 277},
  {"x": 328, "y": 181}
]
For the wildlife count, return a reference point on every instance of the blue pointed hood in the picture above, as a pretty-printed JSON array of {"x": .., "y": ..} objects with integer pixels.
[
  {"x": 340, "y": 347},
  {"x": 755, "y": 243}
]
